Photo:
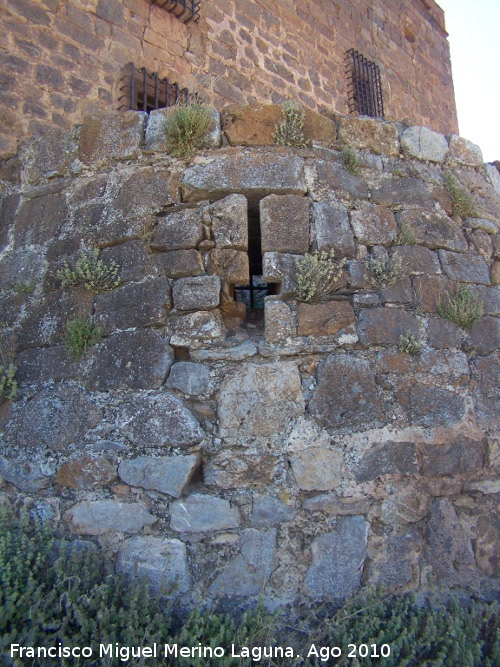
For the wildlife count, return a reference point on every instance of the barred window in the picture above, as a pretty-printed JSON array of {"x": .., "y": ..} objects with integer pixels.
[
  {"x": 185, "y": 10},
  {"x": 364, "y": 87},
  {"x": 141, "y": 90}
]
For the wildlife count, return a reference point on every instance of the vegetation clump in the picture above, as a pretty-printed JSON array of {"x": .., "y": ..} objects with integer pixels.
[
  {"x": 290, "y": 132},
  {"x": 463, "y": 204},
  {"x": 461, "y": 307},
  {"x": 81, "y": 334},
  {"x": 8, "y": 384},
  {"x": 187, "y": 127},
  {"x": 408, "y": 344},
  {"x": 91, "y": 273},
  {"x": 385, "y": 271},
  {"x": 318, "y": 276},
  {"x": 405, "y": 236},
  {"x": 350, "y": 161}
]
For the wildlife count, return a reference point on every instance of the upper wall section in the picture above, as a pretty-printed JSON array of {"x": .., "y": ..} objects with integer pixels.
[{"x": 59, "y": 58}]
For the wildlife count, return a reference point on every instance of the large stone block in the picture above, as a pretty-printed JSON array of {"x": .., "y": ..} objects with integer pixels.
[
  {"x": 280, "y": 268},
  {"x": 50, "y": 155},
  {"x": 458, "y": 457},
  {"x": 430, "y": 290},
  {"x": 343, "y": 184},
  {"x": 200, "y": 513},
  {"x": 284, "y": 223},
  {"x": 24, "y": 475},
  {"x": 485, "y": 337},
  {"x": 180, "y": 263},
  {"x": 384, "y": 326},
  {"x": 389, "y": 458},
  {"x": 177, "y": 231},
  {"x": 402, "y": 192},
  {"x": 86, "y": 473},
  {"x": 229, "y": 222},
  {"x": 98, "y": 517},
  {"x": 45, "y": 364},
  {"x": 416, "y": 260},
  {"x": 374, "y": 225},
  {"x": 197, "y": 293},
  {"x": 232, "y": 469},
  {"x": 259, "y": 400},
  {"x": 429, "y": 406},
  {"x": 21, "y": 267},
  {"x": 279, "y": 324},
  {"x": 465, "y": 269},
  {"x": 424, "y": 144},
  {"x": 167, "y": 474},
  {"x": 346, "y": 394},
  {"x": 434, "y": 230},
  {"x": 317, "y": 468},
  {"x": 199, "y": 326},
  {"x": 148, "y": 190},
  {"x": 368, "y": 134},
  {"x": 324, "y": 319},
  {"x": 192, "y": 379},
  {"x": 464, "y": 151},
  {"x": 133, "y": 260},
  {"x": 105, "y": 137},
  {"x": 268, "y": 511},
  {"x": 231, "y": 266},
  {"x": 487, "y": 390},
  {"x": 39, "y": 220},
  {"x": 331, "y": 229},
  {"x": 8, "y": 208},
  {"x": 337, "y": 560}
]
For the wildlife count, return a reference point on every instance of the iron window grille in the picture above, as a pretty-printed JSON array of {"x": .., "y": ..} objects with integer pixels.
[
  {"x": 185, "y": 10},
  {"x": 364, "y": 87},
  {"x": 144, "y": 91}
]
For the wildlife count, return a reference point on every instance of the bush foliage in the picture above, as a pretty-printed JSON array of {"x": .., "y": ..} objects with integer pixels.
[
  {"x": 318, "y": 276},
  {"x": 187, "y": 128},
  {"x": 463, "y": 204},
  {"x": 91, "y": 273},
  {"x": 80, "y": 335},
  {"x": 461, "y": 307},
  {"x": 290, "y": 132}
]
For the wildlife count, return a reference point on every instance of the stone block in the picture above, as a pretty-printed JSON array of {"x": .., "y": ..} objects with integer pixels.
[
  {"x": 108, "y": 137},
  {"x": 337, "y": 560},
  {"x": 245, "y": 350},
  {"x": 461, "y": 456},
  {"x": 374, "y": 225},
  {"x": 481, "y": 242},
  {"x": 469, "y": 269},
  {"x": 50, "y": 155},
  {"x": 254, "y": 176},
  {"x": 405, "y": 503},
  {"x": 134, "y": 305},
  {"x": 431, "y": 290},
  {"x": 197, "y": 293},
  {"x": 398, "y": 565},
  {"x": 429, "y": 406},
  {"x": 198, "y": 326},
  {"x": 180, "y": 263},
  {"x": 135, "y": 360},
  {"x": 232, "y": 469},
  {"x": 331, "y": 229},
  {"x": 160, "y": 420},
  {"x": 340, "y": 182},
  {"x": 388, "y": 458},
  {"x": 98, "y": 517},
  {"x": 369, "y": 134},
  {"x": 485, "y": 337},
  {"x": 346, "y": 395},
  {"x": 464, "y": 151},
  {"x": 384, "y": 326},
  {"x": 201, "y": 513},
  {"x": 259, "y": 400},
  {"x": 8, "y": 208},
  {"x": 148, "y": 190},
  {"x": 329, "y": 503},
  {"x": 45, "y": 364},
  {"x": 434, "y": 230},
  {"x": 268, "y": 511},
  {"x": 407, "y": 192},
  {"x": 159, "y": 120},
  {"x": 252, "y": 125},
  {"x": 487, "y": 544},
  {"x": 417, "y": 260},
  {"x": 192, "y": 379},
  {"x": 284, "y": 223},
  {"x": 162, "y": 561},
  {"x": 424, "y": 144},
  {"x": 324, "y": 319},
  {"x": 229, "y": 222},
  {"x": 317, "y": 469},
  {"x": 178, "y": 231},
  {"x": 280, "y": 268},
  {"x": 21, "y": 267},
  {"x": 132, "y": 258},
  {"x": 443, "y": 334},
  {"x": 482, "y": 224},
  {"x": 39, "y": 220},
  {"x": 487, "y": 390},
  {"x": 167, "y": 474},
  {"x": 490, "y": 297},
  {"x": 86, "y": 473},
  {"x": 26, "y": 476},
  {"x": 400, "y": 293},
  {"x": 279, "y": 324},
  {"x": 230, "y": 265}
]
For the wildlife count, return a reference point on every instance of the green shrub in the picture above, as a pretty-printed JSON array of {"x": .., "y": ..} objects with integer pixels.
[
  {"x": 461, "y": 307},
  {"x": 463, "y": 204},
  {"x": 318, "y": 276},
  {"x": 80, "y": 335},
  {"x": 408, "y": 344},
  {"x": 405, "y": 236},
  {"x": 187, "y": 128},
  {"x": 290, "y": 132},
  {"x": 8, "y": 384},
  {"x": 91, "y": 273},
  {"x": 385, "y": 270},
  {"x": 25, "y": 288},
  {"x": 350, "y": 161}
]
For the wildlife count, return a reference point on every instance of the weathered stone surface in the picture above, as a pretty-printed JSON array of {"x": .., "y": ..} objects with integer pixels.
[
  {"x": 198, "y": 326},
  {"x": 258, "y": 400},
  {"x": 485, "y": 337},
  {"x": 180, "y": 263},
  {"x": 331, "y": 229},
  {"x": 162, "y": 561},
  {"x": 346, "y": 395},
  {"x": 128, "y": 360},
  {"x": 190, "y": 378},
  {"x": 434, "y": 229},
  {"x": 337, "y": 560},
  {"x": 284, "y": 223},
  {"x": 134, "y": 305},
  {"x": 448, "y": 548},
  {"x": 255, "y": 176},
  {"x": 229, "y": 220},
  {"x": 317, "y": 469},
  {"x": 132, "y": 258},
  {"x": 39, "y": 220},
  {"x": 374, "y": 225},
  {"x": 487, "y": 544},
  {"x": 281, "y": 268},
  {"x": 200, "y": 513},
  {"x": 324, "y": 319},
  {"x": 105, "y": 137},
  {"x": 230, "y": 265},
  {"x": 472, "y": 270},
  {"x": 424, "y": 144},
  {"x": 417, "y": 260},
  {"x": 383, "y": 326},
  {"x": 167, "y": 474},
  {"x": 429, "y": 405},
  {"x": 368, "y": 134},
  {"x": 487, "y": 391},
  {"x": 159, "y": 420},
  {"x": 481, "y": 242},
  {"x": 197, "y": 293},
  {"x": 86, "y": 473},
  {"x": 490, "y": 298},
  {"x": 8, "y": 208},
  {"x": 400, "y": 292},
  {"x": 26, "y": 476},
  {"x": 400, "y": 556},
  {"x": 442, "y": 334},
  {"x": 38, "y": 365},
  {"x": 97, "y": 517},
  {"x": 233, "y": 470},
  {"x": 487, "y": 226},
  {"x": 458, "y": 457},
  {"x": 178, "y": 231},
  {"x": 329, "y": 503},
  {"x": 248, "y": 573},
  {"x": 159, "y": 120},
  {"x": 252, "y": 125},
  {"x": 237, "y": 353},
  {"x": 358, "y": 275},
  {"x": 495, "y": 273},
  {"x": 50, "y": 155},
  {"x": 268, "y": 511},
  {"x": 403, "y": 191},
  {"x": 21, "y": 267},
  {"x": 388, "y": 458},
  {"x": 464, "y": 151},
  {"x": 279, "y": 321},
  {"x": 431, "y": 290},
  {"x": 67, "y": 410},
  {"x": 405, "y": 503},
  {"x": 340, "y": 181}
]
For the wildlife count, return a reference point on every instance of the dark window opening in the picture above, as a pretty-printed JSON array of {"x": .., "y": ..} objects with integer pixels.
[
  {"x": 141, "y": 90},
  {"x": 185, "y": 10},
  {"x": 364, "y": 86}
]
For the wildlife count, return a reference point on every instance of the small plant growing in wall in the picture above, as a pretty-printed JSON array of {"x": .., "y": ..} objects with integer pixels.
[
  {"x": 350, "y": 161},
  {"x": 405, "y": 236},
  {"x": 8, "y": 384},
  {"x": 290, "y": 132},
  {"x": 461, "y": 307},
  {"x": 91, "y": 273},
  {"x": 318, "y": 276},
  {"x": 463, "y": 204},
  {"x": 188, "y": 125},
  {"x": 385, "y": 271},
  {"x": 408, "y": 344},
  {"x": 81, "y": 334}
]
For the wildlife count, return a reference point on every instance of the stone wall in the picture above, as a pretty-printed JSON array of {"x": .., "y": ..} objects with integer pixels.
[
  {"x": 302, "y": 460},
  {"x": 60, "y": 58}
]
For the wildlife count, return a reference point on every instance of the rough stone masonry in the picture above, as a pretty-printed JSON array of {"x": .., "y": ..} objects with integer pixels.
[{"x": 300, "y": 461}]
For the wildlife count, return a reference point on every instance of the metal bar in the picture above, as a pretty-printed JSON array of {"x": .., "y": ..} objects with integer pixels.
[
  {"x": 155, "y": 76},
  {"x": 132, "y": 87}
]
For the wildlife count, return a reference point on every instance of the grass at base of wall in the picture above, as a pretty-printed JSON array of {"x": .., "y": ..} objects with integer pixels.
[{"x": 53, "y": 594}]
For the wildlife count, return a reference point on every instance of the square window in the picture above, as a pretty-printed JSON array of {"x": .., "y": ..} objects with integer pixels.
[{"x": 364, "y": 87}]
